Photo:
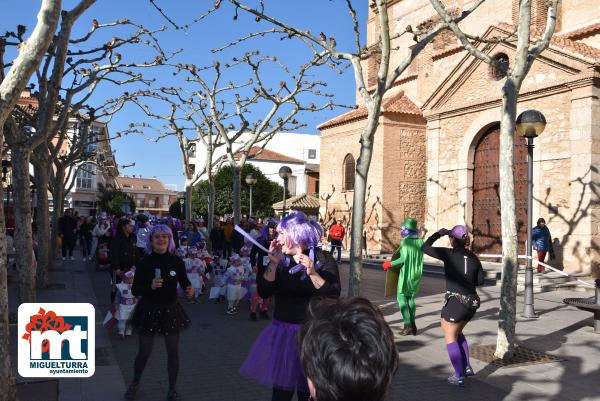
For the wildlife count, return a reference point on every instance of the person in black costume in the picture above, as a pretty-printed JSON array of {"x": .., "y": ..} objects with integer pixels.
[
  {"x": 260, "y": 259},
  {"x": 297, "y": 272},
  {"x": 463, "y": 272},
  {"x": 159, "y": 312}
]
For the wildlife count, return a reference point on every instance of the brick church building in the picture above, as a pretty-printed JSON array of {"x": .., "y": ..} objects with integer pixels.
[{"x": 436, "y": 149}]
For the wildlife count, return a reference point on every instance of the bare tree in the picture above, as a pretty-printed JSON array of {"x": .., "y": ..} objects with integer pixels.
[
  {"x": 525, "y": 55},
  {"x": 49, "y": 89},
  {"x": 59, "y": 104},
  {"x": 218, "y": 113},
  {"x": 30, "y": 56},
  {"x": 386, "y": 78}
]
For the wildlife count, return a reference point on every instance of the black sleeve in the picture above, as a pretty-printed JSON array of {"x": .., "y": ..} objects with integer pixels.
[
  {"x": 115, "y": 248},
  {"x": 184, "y": 282},
  {"x": 480, "y": 272},
  {"x": 142, "y": 281},
  {"x": 253, "y": 255},
  {"x": 330, "y": 273},
  {"x": 434, "y": 252},
  {"x": 265, "y": 288}
]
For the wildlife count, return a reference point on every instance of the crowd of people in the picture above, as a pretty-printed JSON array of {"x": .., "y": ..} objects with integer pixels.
[{"x": 156, "y": 263}]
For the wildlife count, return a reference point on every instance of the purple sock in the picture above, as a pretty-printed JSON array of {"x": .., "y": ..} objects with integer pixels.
[
  {"x": 454, "y": 352},
  {"x": 462, "y": 341}
]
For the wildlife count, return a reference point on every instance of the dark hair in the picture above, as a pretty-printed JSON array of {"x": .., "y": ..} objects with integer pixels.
[
  {"x": 347, "y": 350},
  {"x": 541, "y": 220},
  {"x": 122, "y": 223}
]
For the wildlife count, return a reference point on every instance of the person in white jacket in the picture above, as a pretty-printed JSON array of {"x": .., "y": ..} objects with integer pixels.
[{"x": 100, "y": 233}]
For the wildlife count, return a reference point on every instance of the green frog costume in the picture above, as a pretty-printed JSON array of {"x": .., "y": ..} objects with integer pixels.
[{"x": 404, "y": 273}]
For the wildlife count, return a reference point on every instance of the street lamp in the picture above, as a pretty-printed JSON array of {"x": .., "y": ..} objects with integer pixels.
[
  {"x": 181, "y": 209},
  {"x": 285, "y": 173},
  {"x": 530, "y": 124},
  {"x": 250, "y": 180}
]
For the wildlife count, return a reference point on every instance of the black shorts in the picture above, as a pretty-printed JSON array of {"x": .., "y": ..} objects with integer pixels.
[{"x": 454, "y": 311}]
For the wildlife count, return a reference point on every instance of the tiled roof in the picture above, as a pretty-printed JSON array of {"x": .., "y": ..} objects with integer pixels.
[
  {"x": 131, "y": 184},
  {"x": 562, "y": 42},
  {"x": 581, "y": 33},
  {"x": 299, "y": 202},
  {"x": 399, "y": 104},
  {"x": 269, "y": 155}
]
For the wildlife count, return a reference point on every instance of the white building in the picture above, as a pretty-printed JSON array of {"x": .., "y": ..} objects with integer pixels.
[
  {"x": 300, "y": 152},
  {"x": 92, "y": 177}
]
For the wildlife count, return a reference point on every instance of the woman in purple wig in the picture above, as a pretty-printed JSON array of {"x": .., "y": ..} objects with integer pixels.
[
  {"x": 298, "y": 270},
  {"x": 159, "y": 312}
]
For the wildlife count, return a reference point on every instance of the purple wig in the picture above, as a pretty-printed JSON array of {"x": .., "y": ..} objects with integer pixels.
[
  {"x": 300, "y": 231},
  {"x": 162, "y": 229}
]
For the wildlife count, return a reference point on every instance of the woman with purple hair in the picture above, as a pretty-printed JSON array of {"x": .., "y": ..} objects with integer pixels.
[
  {"x": 159, "y": 312},
  {"x": 463, "y": 272},
  {"x": 298, "y": 270}
]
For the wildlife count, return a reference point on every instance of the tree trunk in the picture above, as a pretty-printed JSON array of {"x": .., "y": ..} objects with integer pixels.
[
  {"x": 236, "y": 174},
  {"x": 8, "y": 390},
  {"x": 23, "y": 234},
  {"x": 44, "y": 255},
  {"x": 508, "y": 303},
  {"x": 211, "y": 208},
  {"x": 188, "y": 203},
  {"x": 58, "y": 201},
  {"x": 358, "y": 203}
]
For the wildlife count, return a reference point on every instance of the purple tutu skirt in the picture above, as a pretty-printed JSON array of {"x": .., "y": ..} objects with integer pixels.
[{"x": 274, "y": 359}]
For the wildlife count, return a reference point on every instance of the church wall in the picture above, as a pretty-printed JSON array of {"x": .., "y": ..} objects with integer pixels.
[
  {"x": 577, "y": 14},
  {"x": 564, "y": 173},
  {"x": 404, "y": 181},
  {"x": 336, "y": 143}
]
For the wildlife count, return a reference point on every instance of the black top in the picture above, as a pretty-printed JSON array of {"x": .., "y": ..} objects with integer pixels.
[
  {"x": 85, "y": 231},
  {"x": 257, "y": 255},
  {"x": 462, "y": 267},
  {"x": 123, "y": 254},
  {"x": 172, "y": 271},
  {"x": 292, "y": 294},
  {"x": 67, "y": 225},
  {"x": 217, "y": 238}
]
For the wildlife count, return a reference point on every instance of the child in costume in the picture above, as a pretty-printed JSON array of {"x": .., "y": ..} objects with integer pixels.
[
  {"x": 234, "y": 275},
  {"x": 248, "y": 279},
  {"x": 125, "y": 304},
  {"x": 218, "y": 289},
  {"x": 407, "y": 266},
  {"x": 194, "y": 272},
  {"x": 183, "y": 249}
]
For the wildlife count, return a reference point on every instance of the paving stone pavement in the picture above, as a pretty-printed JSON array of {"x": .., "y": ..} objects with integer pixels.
[{"x": 214, "y": 348}]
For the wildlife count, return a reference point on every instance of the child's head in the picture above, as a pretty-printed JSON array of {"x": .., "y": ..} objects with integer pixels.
[
  {"x": 128, "y": 277},
  {"x": 235, "y": 259},
  {"x": 183, "y": 241}
]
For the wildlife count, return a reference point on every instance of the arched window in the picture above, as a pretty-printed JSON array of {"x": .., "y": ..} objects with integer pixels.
[
  {"x": 498, "y": 74},
  {"x": 192, "y": 150},
  {"x": 348, "y": 169}
]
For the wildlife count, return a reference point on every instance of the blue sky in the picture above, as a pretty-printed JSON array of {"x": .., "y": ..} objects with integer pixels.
[{"x": 162, "y": 159}]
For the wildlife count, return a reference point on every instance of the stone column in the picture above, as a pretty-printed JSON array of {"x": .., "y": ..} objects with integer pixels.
[
  {"x": 581, "y": 247},
  {"x": 433, "y": 189}
]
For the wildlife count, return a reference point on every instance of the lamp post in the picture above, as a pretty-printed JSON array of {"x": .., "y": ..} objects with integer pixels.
[
  {"x": 181, "y": 209},
  {"x": 530, "y": 124},
  {"x": 250, "y": 180},
  {"x": 285, "y": 173}
]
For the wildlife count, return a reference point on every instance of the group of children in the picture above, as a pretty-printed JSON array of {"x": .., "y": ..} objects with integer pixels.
[{"x": 234, "y": 280}]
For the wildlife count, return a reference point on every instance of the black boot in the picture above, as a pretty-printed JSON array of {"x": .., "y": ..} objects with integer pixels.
[{"x": 413, "y": 329}]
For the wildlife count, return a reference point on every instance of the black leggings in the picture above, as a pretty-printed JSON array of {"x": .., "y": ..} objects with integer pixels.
[
  {"x": 144, "y": 351},
  {"x": 285, "y": 395}
]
